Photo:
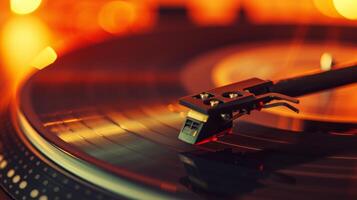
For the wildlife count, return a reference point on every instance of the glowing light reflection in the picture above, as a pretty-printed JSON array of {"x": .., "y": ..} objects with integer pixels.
[
  {"x": 326, "y": 61},
  {"x": 346, "y": 8},
  {"x": 24, "y": 6},
  {"x": 89, "y": 135},
  {"x": 22, "y": 39}
]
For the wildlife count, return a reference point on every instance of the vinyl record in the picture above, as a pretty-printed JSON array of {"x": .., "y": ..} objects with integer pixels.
[{"x": 108, "y": 114}]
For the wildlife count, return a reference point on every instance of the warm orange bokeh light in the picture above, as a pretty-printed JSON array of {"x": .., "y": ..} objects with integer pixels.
[
  {"x": 213, "y": 12},
  {"x": 46, "y": 57},
  {"x": 22, "y": 39},
  {"x": 327, "y": 8},
  {"x": 277, "y": 12},
  {"x": 326, "y": 61},
  {"x": 346, "y": 8},
  {"x": 118, "y": 17},
  {"x": 24, "y": 6},
  {"x": 302, "y": 12}
]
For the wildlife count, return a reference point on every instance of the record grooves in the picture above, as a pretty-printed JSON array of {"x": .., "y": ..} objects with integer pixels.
[{"x": 27, "y": 174}]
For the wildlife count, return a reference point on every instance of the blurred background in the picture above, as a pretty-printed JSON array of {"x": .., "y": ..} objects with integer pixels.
[{"x": 27, "y": 27}]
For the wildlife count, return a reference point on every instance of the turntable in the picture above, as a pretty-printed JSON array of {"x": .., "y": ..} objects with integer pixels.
[{"x": 103, "y": 121}]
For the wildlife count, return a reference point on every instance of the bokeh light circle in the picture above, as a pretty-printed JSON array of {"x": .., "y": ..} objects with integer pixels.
[
  {"x": 346, "y": 8},
  {"x": 23, "y": 7}
]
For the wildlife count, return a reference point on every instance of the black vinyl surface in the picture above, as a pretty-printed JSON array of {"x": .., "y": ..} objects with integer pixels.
[{"x": 114, "y": 105}]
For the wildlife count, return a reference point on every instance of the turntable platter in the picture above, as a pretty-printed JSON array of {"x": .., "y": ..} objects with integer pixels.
[{"x": 112, "y": 108}]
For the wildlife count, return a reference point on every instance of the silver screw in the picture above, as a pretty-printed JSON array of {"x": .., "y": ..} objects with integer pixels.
[
  {"x": 214, "y": 103},
  {"x": 233, "y": 95},
  {"x": 226, "y": 116},
  {"x": 204, "y": 96}
]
